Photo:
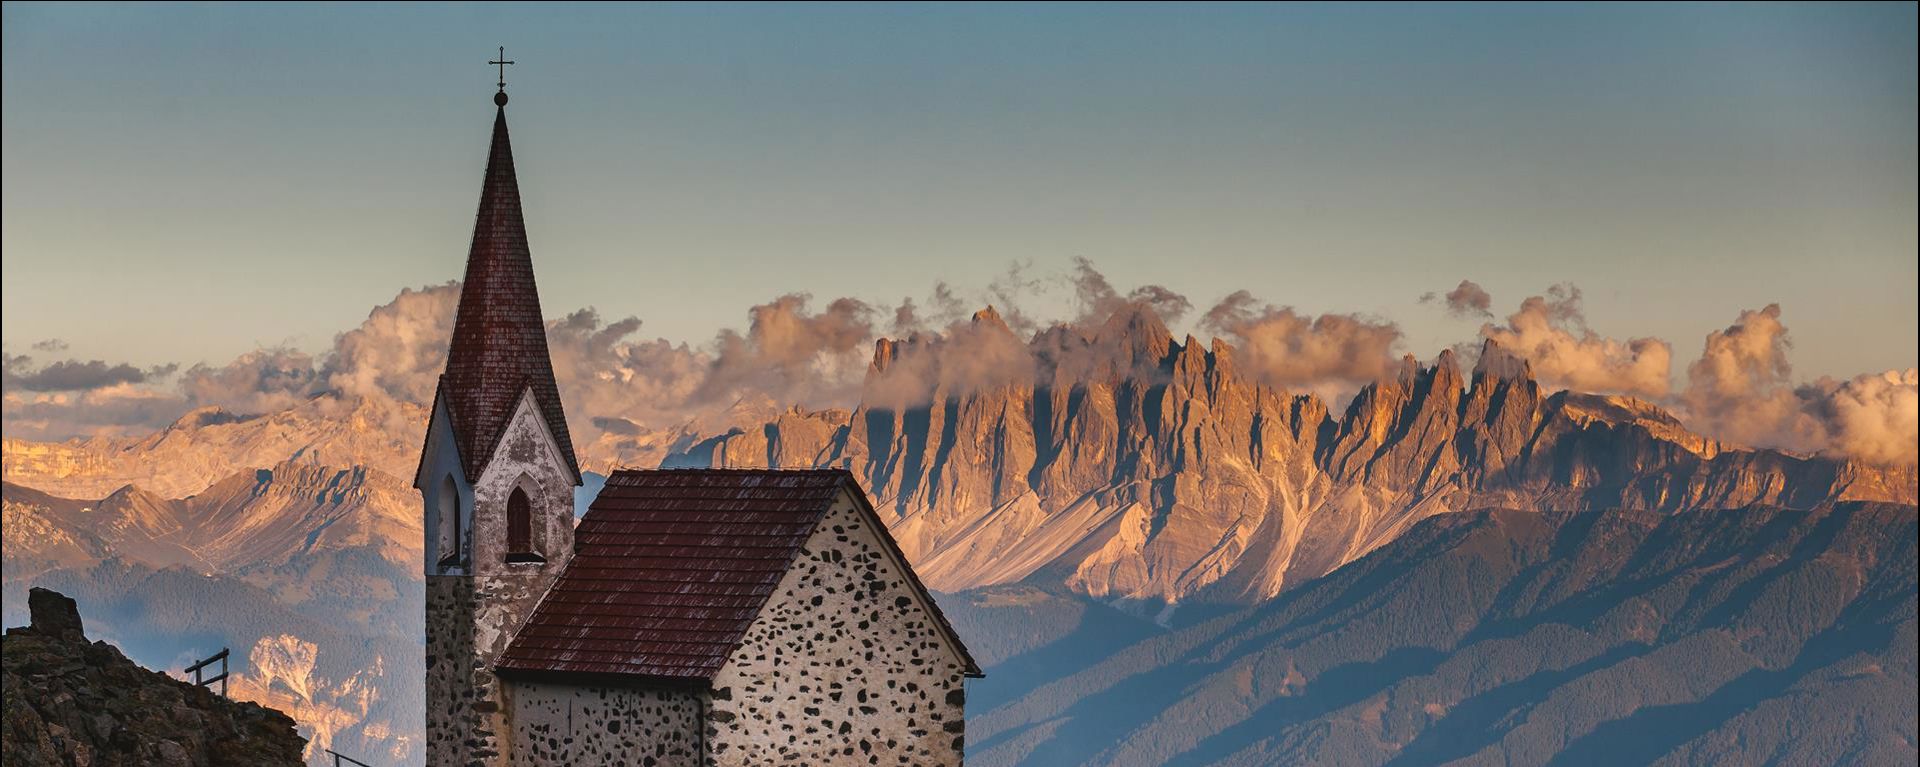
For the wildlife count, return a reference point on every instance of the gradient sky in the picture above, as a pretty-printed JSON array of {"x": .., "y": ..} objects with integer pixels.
[{"x": 184, "y": 183}]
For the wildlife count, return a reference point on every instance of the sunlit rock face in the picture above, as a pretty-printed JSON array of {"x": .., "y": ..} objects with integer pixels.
[
  {"x": 209, "y": 444},
  {"x": 1128, "y": 465}
]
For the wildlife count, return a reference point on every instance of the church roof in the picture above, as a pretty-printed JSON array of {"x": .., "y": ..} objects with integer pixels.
[
  {"x": 499, "y": 347},
  {"x": 671, "y": 567}
]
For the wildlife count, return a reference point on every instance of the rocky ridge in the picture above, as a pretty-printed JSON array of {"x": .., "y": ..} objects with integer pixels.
[{"x": 73, "y": 702}]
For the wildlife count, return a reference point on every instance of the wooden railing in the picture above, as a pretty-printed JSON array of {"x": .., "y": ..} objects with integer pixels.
[{"x": 198, "y": 670}]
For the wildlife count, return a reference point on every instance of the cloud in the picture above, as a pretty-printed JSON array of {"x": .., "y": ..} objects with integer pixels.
[
  {"x": 1872, "y": 418},
  {"x": 1098, "y": 300},
  {"x": 260, "y": 381},
  {"x": 1466, "y": 300},
  {"x": 1741, "y": 390},
  {"x": 614, "y": 382},
  {"x": 399, "y": 350},
  {"x": 1287, "y": 348},
  {"x": 791, "y": 353},
  {"x": 111, "y": 411},
  {"x": 51, "y": 345},
  {"x": 72, "y": 375},
  {"x": 1740, "y": 387},
  {"x": 974, "y": 355},
  {"x": 1551, "y": 333}
]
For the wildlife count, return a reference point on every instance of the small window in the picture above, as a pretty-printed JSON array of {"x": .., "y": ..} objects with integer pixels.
[
  {"x": 448, "y": 541},
  {"x": 520, "y": 528}
]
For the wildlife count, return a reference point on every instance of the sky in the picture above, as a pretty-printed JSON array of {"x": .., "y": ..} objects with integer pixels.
[{"x": 184, "y": 183}]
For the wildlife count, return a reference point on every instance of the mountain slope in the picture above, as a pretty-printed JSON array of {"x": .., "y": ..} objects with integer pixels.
[
  {"x": 1756, "y": 635},
  {"x": 209, "y": 444}
]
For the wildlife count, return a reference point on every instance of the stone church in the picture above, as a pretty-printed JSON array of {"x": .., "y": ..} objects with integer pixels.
[{"x": 692, "y": 617}]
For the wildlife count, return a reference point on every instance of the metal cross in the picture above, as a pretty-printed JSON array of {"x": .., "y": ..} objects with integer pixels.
[{"x": 502, "y": 62}]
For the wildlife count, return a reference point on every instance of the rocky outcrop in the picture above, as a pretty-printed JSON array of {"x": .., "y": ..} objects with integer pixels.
[
  {"x": 71, "y": 702},
  {"x": 1129, "y": 465}
]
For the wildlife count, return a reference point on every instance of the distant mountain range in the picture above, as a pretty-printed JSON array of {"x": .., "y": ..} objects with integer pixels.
[
  {"x": 1110, "y": 505},
  {"x": 311, "y": 575}
]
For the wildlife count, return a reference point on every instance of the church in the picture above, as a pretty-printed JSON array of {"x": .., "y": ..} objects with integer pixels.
[{"x": 691, "y": 617}]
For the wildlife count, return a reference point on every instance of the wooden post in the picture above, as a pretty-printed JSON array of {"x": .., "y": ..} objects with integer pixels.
[{"x": 339, "y": 758}]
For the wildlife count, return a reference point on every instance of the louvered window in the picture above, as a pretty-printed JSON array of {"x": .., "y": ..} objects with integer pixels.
[{"x": 520, "y": 528}]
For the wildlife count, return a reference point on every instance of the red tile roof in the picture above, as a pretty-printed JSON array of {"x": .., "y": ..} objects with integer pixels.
[
  {"x": 670, "y": 568},
  {"x": 499, "y": 346}
]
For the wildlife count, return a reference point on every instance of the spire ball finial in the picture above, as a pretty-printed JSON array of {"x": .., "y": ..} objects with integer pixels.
[{"x": 500, "y": 99}]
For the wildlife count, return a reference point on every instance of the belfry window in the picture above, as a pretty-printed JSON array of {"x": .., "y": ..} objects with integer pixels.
[{"x": 520, "y": 528}]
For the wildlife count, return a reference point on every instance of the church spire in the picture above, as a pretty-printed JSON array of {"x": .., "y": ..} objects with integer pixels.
[{"x": 499, "y": 348}]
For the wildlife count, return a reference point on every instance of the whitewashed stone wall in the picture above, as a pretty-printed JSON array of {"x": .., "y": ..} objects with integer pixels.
[
  {"x": 557, "y": 724},
  {"x": 844, "y": 666},
  {"x": 440, "y": 472}
]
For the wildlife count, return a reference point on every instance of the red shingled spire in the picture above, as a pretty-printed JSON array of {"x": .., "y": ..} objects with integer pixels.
[{"x": 499, "y": 346}]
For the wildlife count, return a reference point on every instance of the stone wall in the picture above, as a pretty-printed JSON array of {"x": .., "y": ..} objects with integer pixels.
[
  {"x": 450, "y": 689},
  {"x": 844, "y": 665},
  {"x": 557, "y": 724},
  {"x": 473, "y": 612}
]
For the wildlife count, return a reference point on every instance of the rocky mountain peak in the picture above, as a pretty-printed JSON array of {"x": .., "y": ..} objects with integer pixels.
[
  {"x": 991, "y": 318},
  {"x": 884, "y": 350},
  {"x": 1496, "y": 363}
]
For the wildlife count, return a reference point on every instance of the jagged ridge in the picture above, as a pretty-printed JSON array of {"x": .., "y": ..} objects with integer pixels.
[{"x": 1128, "y": 465}]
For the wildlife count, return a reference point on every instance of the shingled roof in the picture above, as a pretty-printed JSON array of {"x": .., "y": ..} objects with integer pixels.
[
  {"x": 499, "y": 347},
  {"x": 671, "y": 567}
]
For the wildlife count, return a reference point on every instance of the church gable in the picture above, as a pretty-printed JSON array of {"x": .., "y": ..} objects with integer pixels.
[
  {"x": 527, "y": 474},
  {"x": 848, "y": 662}
]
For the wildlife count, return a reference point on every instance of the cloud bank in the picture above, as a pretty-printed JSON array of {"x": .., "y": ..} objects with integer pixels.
[{"x": 796, "y": 350}]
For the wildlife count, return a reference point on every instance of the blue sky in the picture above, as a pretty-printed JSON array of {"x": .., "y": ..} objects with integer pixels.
[{"x": 185, "y": 182}]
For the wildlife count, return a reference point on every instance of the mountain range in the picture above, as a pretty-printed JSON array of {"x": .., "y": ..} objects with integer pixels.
[
  {"x": 1163, "y": 559},
  {"x": 1134, "y": 467}
]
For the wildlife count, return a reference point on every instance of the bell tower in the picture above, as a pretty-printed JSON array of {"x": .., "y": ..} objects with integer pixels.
[{"x": 496, "y": 475}]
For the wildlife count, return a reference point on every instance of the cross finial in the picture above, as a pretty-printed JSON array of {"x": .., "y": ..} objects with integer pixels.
[{"x": 502, "y": 62}]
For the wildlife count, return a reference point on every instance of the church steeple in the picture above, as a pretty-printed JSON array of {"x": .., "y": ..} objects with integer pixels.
[
  {"x": 496, "y": 478},
  {"x": 499, "y": 348}
]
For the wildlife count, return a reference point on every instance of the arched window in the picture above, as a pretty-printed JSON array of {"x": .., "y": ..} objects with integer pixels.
[
  {"x": 520, "y": 528},
  {"x": 447, "y": 512}
]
